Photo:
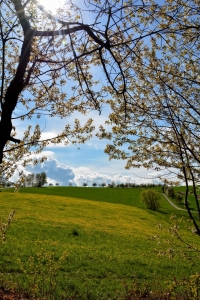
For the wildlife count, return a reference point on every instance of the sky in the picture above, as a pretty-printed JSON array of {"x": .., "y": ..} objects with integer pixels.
[
  {"x": 77, "y": 164},
  {"x": 83, "y": 163}
]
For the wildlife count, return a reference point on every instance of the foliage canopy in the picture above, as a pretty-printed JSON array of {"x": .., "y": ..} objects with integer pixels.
[{"x": 151, "y": 199}]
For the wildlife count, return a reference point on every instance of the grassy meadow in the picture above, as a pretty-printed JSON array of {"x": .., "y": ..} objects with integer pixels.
[{"x": 90, "y": 242}]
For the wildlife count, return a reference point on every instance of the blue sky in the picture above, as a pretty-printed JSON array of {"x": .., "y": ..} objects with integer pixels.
[{"x": 82, "y": 163}]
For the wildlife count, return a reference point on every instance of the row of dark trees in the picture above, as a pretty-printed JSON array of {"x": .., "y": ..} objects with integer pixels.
[
  {"x": 37, "y": 180},
  {"x": 123, "y": 185},
  {"x": 5, "y": 183}
]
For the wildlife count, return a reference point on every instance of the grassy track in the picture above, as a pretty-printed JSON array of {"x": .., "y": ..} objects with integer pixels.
[{"x": 69, "y": 244}]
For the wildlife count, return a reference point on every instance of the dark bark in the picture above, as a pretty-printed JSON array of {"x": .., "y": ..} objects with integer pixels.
[{"x": 17, "y": 84}]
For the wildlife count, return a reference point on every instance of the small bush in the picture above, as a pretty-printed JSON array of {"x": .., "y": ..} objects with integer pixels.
[
  {"x": 151, "y": 199},
  {"x": 170, "y": 192},
  {"x": 179, "y": 198}
]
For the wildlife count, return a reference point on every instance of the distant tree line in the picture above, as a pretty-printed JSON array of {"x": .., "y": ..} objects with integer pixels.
[
  {"x": 5, "y": 183},
  {"x": 123, "y": 185}
]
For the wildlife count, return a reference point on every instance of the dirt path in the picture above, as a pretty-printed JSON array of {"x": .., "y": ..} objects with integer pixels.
[{"x": 172, "y": 204}]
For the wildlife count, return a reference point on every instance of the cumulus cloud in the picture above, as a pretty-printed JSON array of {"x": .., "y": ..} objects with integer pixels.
[
  {"x": 84, "y": 175},
  {"x": 91, "y": 178},
  {"x": 132, "y": 179},
  {"x": 56, "y": 172}
]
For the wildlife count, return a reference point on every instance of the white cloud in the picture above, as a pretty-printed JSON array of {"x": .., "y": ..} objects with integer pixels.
[
  {"x": 155, "y": 174},
  {"x": 90, "y": 178},
  {"x": 55, "y": 171},
  {"x": 83, "y": 171},
  {"x": 83, "y": 175}
]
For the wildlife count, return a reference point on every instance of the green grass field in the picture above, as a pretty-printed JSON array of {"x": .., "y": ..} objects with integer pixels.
[
  {"x": 130, "y": 196},
  {"x": 116, "y": 195},
  {"x": 92, "y": 241}
]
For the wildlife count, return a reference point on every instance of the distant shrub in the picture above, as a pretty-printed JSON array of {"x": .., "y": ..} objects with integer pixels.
[
  {"x": 170, "y": 192},
  {"x": 112, "y": 184},
  {"x": 179, "y": 198},
  {"x": 151, "y": 199}
]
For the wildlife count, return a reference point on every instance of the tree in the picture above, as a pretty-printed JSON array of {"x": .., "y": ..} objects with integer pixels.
[
  {"x": 151, "y": 199},
  {"x": 85, "y": 184},
  {"x": 38, "y": 181},
  {"x": 179, "y": 198},
  {"x": 94, "y": 184},
  {"x": 41, "y": 179},
  {"x": 157, "y": 120},
  {"x": 30, "y": 178},
  {"x": 112, "y": 184},
  {"x": 42, "y": 55},
  {"x": 103, "y": 184},
  {"x": 170, "y": 192}
]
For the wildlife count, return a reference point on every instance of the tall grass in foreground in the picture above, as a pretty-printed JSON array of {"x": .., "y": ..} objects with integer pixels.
[{"x": 59, "y": 247}]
